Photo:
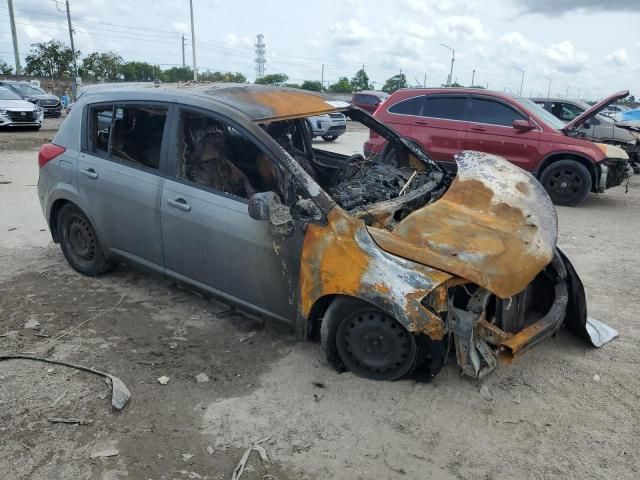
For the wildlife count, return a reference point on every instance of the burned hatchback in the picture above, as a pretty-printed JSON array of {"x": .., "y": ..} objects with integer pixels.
[{"x": 390, "y": 262}]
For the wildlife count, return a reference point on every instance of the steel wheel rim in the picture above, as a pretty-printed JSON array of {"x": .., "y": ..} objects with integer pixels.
[
  {"x": 81, "y": 239},
  {"x": 565, "y": 183},
  {"x": 374, "y": 345}
]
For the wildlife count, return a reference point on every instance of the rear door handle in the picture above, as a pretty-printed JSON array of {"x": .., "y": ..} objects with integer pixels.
[
  {"x": 89, "y": 173},
  {"x": 478, "y": 129},
  {"x": 179, "y": 203},
  {"x": 422, "y": 122}
]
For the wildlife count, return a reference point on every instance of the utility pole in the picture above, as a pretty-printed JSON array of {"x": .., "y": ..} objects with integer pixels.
[
  {"x": 73, "y": 50},
  {"x": 184, "y": 63},
  {"x": 521, "y": 80},
  {"x": 322, "y": 79},
  {"x": 424, "y": 83},
  {"x": 473, "y": 77},
  {"x": 193, "y": 44},
  {"x": 260, "y": 50},
  {"x": 453, "y": 59},
  {"x": 566, "y": 95},
  {"x": 549, "y": 88},
  {"x": 16, "y": 53}
]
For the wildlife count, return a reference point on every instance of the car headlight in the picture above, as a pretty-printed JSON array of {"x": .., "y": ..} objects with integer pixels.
[{"x": 3, "y": 112}]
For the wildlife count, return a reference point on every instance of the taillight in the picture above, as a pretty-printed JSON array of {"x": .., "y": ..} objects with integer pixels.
[{"x": 49, "y": 151}]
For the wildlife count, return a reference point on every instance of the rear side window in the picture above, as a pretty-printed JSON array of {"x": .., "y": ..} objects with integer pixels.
[
  {"x": 130, "y": 133},
  {"x": 493, "y": 113},
  {"x": 449, "y": 108},
  {"x": 410, "y": 106}
]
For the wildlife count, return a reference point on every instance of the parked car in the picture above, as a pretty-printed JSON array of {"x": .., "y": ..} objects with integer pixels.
[
  {"x": 16, "y": 112},
  {"x": 328, "y": 126},
  {"x": 48, "y": 103},
  {"x": 369, "y": 99},
  {"x": 614, "y": 112},
  {"x": 386, "y": 262},
  {"x": 599, "y": 128},
  {"x": 447, "y": 121}
]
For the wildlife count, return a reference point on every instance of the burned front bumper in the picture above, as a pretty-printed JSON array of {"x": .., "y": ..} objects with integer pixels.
[{"x": 486, "y": 330}]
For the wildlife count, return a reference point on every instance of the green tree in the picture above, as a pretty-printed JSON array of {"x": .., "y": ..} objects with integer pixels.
[
  {"x": 395, "y": 83},
  {"x": 273, "y": 79},
  {"x": 50, "y": 59},
  {"x": 312, "y": 85},
  {"x": 360, "y": 80},
  {"x": 105, "y": 65},
  {"x": 228, "y": 77},
  {"x": 5, "y": 68},
  {"x": 139, "y": 71},
  {"x": 177, "y": 74},
  {"x": 341, "y": 86}
]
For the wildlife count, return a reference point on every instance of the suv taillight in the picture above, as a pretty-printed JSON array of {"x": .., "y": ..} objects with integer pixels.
[{"x": 49, "y": 151}]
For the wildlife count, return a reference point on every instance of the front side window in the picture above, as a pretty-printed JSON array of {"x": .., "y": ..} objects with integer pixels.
[
  {"x": 448, "y": 108},
  {"x": 130, "y": 133},
  {"x": 493, "y": 113},
  {"x": 29, "y": 90},
  {"x": 410, "y": 106}
]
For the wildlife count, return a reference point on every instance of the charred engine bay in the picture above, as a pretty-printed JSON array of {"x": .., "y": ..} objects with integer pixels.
[{"x": 372, "y": 182}]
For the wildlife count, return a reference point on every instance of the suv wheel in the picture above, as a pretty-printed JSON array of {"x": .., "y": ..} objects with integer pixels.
[
  {"x": 329, "y": 138},
  {"x": 367, "y": 341},
  {"x": 79, "y": 242},
  {"x": 567, "y": 182}
]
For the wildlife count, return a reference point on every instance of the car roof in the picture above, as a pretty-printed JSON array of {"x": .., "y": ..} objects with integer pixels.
[
  {"x": 259, "y": 102},
  {"x": 454, "y": 90},
  {"x": 372, "y": 92}
]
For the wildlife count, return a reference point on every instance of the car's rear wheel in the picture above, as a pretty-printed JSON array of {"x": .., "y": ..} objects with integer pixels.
[
  {"x": 567, "y": 182},
  {"x": 79, "y": 242},
  {"x": 329, "y": 138},
  {"x": 367, "y": 341}
]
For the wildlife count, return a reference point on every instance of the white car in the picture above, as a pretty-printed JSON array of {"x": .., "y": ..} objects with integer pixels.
[
  {"x": 16, "y": 112},
  {"x": 329, "y": 126}
]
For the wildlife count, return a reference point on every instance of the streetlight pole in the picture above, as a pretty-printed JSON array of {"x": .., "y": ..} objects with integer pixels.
[
  {"x": 522, "y": 79},
  {"x": 453, "y": 59},
  {"x": 549, "y": 88},
  {"x": 473, "y": 77},
  {"x": 193, "y": 43}
]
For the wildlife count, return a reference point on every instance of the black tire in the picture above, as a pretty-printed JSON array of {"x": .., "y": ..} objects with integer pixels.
[
  {"x": 567, "y": 182},
  {"x": 329, "y": 138},
  {"x": 79, "y": 242},
  {"x": 366, "y": 340}
]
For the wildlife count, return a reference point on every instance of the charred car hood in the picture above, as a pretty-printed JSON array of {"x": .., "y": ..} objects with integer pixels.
[
  {"x": 495, "y": 227},
  {"x": 593, "y": 111}
]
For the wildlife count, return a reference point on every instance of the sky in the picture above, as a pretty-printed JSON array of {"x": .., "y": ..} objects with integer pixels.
[{"x": 586, "y": 48}]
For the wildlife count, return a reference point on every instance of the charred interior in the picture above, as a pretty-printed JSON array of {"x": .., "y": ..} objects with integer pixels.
[{"x": 222, "y": 157}]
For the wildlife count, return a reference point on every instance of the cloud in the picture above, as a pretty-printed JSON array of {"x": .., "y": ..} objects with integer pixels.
[
  {"x": 416, "y": 6},
  {"x": 619, "y": 58},
  {"x": 558, "y": 7},
  {"x": 468, "y": 28},
  {"x": 516, "y": 41},
  {"x": 564, "y": 57},
  {"x": 350, "y": 33},
  {"x": 419, "y": 30}
]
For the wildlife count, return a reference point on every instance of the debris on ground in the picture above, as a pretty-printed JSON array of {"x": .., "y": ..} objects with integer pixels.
[
  {"x": 485, "y": 392},
  {"x": 319, "y": 385},
  {"x": 73, "y": 421},
  {"x": 516, "y": 399},
  {"x": 247, "y": 336},
  {"x": 107, "y": 452},
  {"x": 255, "y": 446},
  {"x": 163, "y": 380},
  {"x": 596, "y": 378},
  {"x": 209, "y": 449},
  {"x": 202, "y": 378},
  {"x": 32, "y": 323},
  {"x": 186, "y": 457},
  {"x": 59, "y": 398},
  {"x": 120, "y": 394}
]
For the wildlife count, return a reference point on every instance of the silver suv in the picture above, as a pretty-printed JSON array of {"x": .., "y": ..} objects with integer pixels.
[
  {"x": 16, "y": 112},
  {"x": 388, "y": 261}
]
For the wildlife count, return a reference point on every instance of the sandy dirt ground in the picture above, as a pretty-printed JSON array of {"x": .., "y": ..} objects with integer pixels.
[{"x": 564, "y": 410}]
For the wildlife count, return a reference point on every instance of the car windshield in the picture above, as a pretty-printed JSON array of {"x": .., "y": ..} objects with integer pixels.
[
  {"x": 29, "y": 89},
  {"x": 6, "y": 94},
  {"x": 540, "y": 112}
]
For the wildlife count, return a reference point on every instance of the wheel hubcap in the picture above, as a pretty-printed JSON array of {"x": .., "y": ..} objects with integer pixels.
[
  {"x": 81, "y": 239},
  {"x": 565, "y": 183},
  {"x": 374, "y": 345}
]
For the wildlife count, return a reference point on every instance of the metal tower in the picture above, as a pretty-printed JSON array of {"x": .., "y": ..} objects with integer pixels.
[{"x": 261, "y": 50}]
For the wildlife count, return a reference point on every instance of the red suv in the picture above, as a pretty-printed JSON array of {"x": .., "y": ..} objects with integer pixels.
[
  {"x": 448, "y": 120},
  {"x": 369, "y": 99}
]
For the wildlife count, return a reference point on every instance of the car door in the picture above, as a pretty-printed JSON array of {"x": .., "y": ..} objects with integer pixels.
[
  {"x": 490, "y": 129},
  {"x": 209, "y": 239},
  {"x": 119, "y": 181},
  {"x": 441, "y": 126}
]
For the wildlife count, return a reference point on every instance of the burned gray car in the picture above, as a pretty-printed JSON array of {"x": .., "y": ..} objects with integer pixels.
[{"x": 389, "y": 262}]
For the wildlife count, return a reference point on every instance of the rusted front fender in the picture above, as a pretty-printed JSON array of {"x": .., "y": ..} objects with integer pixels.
[{"x": 495, "y": 227}]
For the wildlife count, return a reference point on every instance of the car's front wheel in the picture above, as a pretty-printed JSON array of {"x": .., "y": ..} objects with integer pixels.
[
  {"x": 79, "y": 242},
  {"x": 329, "y": 138},
  {"x": 567, "y": 182},
  {"x": 367, "y": 341}
]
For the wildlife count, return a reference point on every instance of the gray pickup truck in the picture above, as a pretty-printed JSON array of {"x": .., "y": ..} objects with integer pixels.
[{"x": 329, "y": 126}]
